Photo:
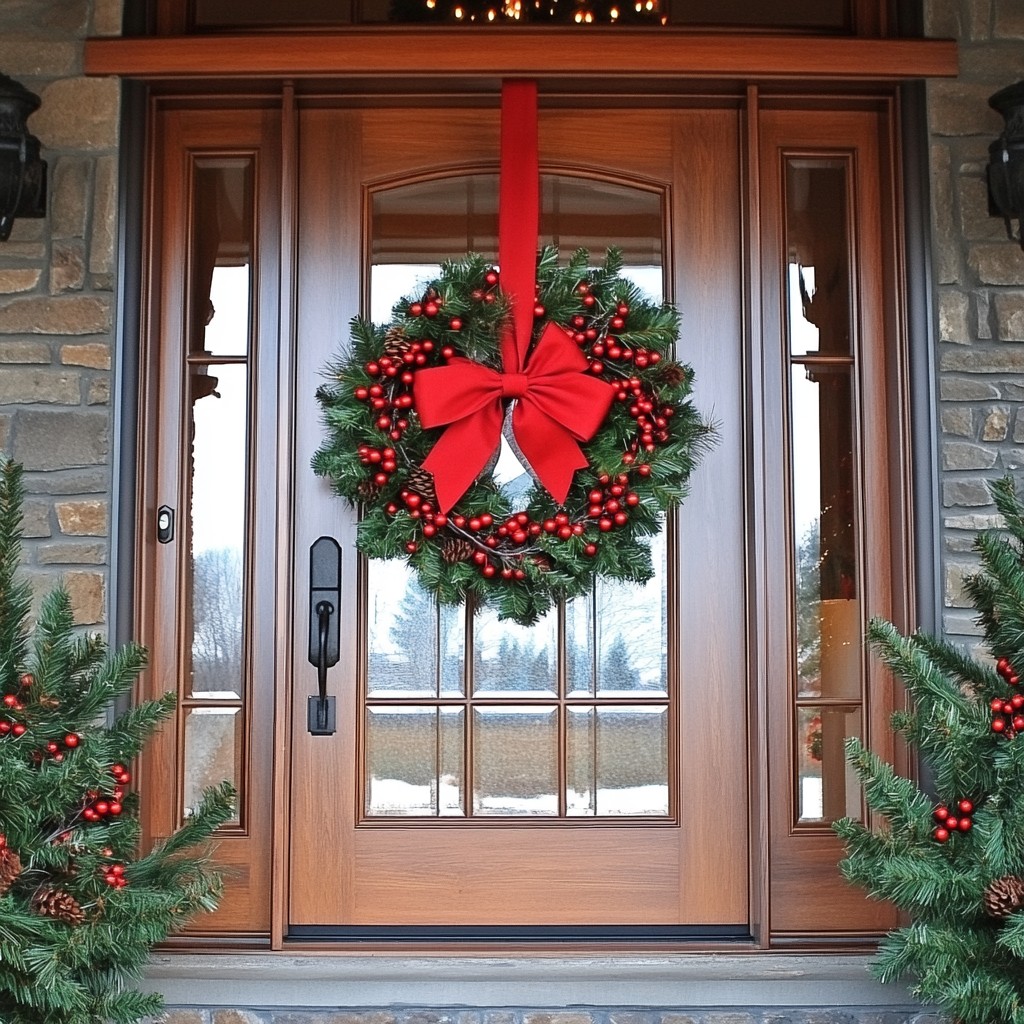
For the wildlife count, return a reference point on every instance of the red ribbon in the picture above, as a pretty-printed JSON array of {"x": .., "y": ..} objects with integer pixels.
[{"x": 557, "y": 404}]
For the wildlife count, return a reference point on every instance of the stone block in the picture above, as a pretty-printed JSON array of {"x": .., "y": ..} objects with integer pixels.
[
  {"x": 1009, "y": 20},
  {"x": 73, "y": 482},
  {"x": 69, "y": 17},
  {"x": 24, "y": 352},
  {"x": 86, "y": 590},
  {"x": 729, "y": 1018},
  {"x": 942, "y": 19},
  {"x": 959, "y": 389},
  {"x": 979, "y": 19},
  {"x": 959, "y": 543},
  {"x": 70, "y": 190},
  {"x": 185, "y": 1017},
  {"x": 5, "y": 431},
  {"x": 77, "y": 314},
  {"x": 558, "y": 1017},
  {"x": 974, "y": 521},
  {"x": 106, "y": 17},
  {"x": 237, "y": 1017},
  {"x": 23, "y": 280},
  {"x": 36, "y": 522},
  {"x": 46, "y": 440},
  {"x": 95, "y": 355},
  {"x": 957, "y": 420},
  {"x": 983, "y": 315},
  {"x": 69, "y": 553},
  {"x": 956, "y": 107},
  {"x": 965, "y": 492},
  {"x": 67, "y": 266},
  {"x": 963, "y": 455},
  {"x": 1012, "y": 459},
  {"x": 678, "y": 1018},
  {"x": 104, "y": 217},
  {"x": 99, "y": 391},
  {"x": 1009, "y": 311},
  {"x": 21, "y": 55},
  {"x": 953, "y": 310},
  {"x": 1008, "y": 359},
  {"x": 945, "y": 240},
  {"x": 997, "y": 424},
  {"x": 997, "y": 263},
  {"x": 37, "y": 386},
  {"x": 997, "y": 64},
  {"x": 975, "y": 222},
  {"x": 79, "y": 113},
  {"x": 82, "y": 518}
]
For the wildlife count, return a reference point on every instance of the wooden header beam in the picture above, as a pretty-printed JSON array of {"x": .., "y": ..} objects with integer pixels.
[{"x": 414, "y": 52}]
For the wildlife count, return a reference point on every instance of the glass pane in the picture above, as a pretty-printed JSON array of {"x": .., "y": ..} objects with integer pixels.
[
  {"x": 221, "y": 256},
  {"x": 402, "y": 760},
  {"x": 828, "y": 616},
  {"x": 515, "y": 761},
  {"x": 817, "y": 241},
  {"x": 402, "y": 633},
  {"x": 579, "y": 646},
  {"x": 219, "y": 465},
  {"x": 510, "y": 660},
  {"x": 451, "y": 796},
  {"x": 827, "y": 787},
  {"x": 617, "y": 761},
  {"x": 213, "y": 753}
]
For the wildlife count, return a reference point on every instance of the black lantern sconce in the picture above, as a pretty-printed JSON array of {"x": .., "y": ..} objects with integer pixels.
[
  {"x": 1006, "y": 160},
  {"x": 22, "y": 172}
]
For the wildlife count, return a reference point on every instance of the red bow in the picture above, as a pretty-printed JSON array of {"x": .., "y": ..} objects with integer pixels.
[{"x": 556, "y": 405}]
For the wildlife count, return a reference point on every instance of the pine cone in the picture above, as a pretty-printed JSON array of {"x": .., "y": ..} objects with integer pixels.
[
  {"x": 457, "y": 550},
  {"x": 422, "y": 482},
  {"x": 396, "y": 342},
  {"x": 673, "y": 374},
  {"x": 58, "y": 904},
  {"x": 10, "y": 868},
  {"x": 1004, "y": 896},
  {"x": 368, "y": 490}
]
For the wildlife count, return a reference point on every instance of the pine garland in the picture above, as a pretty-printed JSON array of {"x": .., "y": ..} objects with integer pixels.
[
  {"x": 519, "y": 556},
  {"x": 79, "y": 909},
  {"x": 955, "y": 862}
]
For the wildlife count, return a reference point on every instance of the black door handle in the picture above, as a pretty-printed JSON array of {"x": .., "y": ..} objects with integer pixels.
[{"x": 324, "y": 631}]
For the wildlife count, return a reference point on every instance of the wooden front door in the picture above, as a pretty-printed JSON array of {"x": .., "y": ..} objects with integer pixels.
[{"x": 451, "y": 792}]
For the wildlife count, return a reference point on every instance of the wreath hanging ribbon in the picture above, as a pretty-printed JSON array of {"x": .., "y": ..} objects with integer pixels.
[
  {"x": 414, "y": 411},
  {"x": 555, "y": 404}
]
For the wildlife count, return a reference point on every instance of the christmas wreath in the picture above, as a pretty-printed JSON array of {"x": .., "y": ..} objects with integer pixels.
[{"x": 600, "y": 414}]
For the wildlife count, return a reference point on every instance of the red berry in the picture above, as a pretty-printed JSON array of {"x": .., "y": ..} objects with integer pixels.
[
  {"x": 996, "y": 704},
  {"x": 17, "y": 729},
  {"x": 539, "y": 311},
  {"x": 411, "y": 547},
  {"x": 416, "y": 309},
  {"x": 941, "y": 835},
  {"x": 590, "y": 549},
  {"x": 941, "y": 813},
  {"x": 10, "y": 700},
  {"x": 998, "y": 725},
  {"x": 488, "y": 570},
  {"x": 5, "y": 728},
  {"x": 491, "y": 277},
  {"x": 1018, "y": 723},
  {"x": 952, "y": 822},
  {"x": 966, "y": 807},
  {"x": 430, "y": 309},
  {"x": 455, "y": 324},
  {"x": 965, "y": 825}
]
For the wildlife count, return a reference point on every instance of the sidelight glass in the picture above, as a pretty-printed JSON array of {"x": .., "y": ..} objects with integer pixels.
[
  {"x": 828, "y": 617},
  {"x": 456, "y": 686},
  {"x": 214, "y": 523}
]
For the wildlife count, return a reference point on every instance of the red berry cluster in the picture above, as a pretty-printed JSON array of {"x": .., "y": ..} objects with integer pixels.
[
  {"x": 952, "y": 820},
  {"x": 391, "y": 398},
  {"x": 608, "y": 503},
  {"x": 1007, "y": 715},
  {"x": 381, "y": 459},
  {"x": 55, "y": 749},
  {"x": 100, "y": 806},
  {"x": 651, "y": 423},
  {"x": 597, "y": 333},
  {"x": 113, "y": 875},
  {"x": 12, "y": 702}
]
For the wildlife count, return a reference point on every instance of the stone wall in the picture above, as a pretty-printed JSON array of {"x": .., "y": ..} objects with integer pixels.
[
  {"x": 979, "y": 283},
  {"x": 57, "y": 280}
]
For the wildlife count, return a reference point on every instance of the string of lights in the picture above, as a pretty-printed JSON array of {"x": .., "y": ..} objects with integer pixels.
[{"x": 548, "y": 12}]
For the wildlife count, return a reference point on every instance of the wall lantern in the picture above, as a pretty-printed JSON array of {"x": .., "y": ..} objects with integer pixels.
[
  {"x": 22, "y": 173},
  {"x": 1006, "y": 160}
]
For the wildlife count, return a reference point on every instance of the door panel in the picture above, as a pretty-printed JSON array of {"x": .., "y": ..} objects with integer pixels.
[{"x": 348, "y": 869}]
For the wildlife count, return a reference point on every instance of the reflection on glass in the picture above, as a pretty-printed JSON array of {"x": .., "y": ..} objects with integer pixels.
[
  {"x": 219, "y": 490},
  {"x": 402, "y": 761},
  {"x": 617, "y": 761},
  {"x": 222, "y": 252},
  {"x": 510, "y": 660},
  {"x": 213, "y": 753},
  {"x": 402, "y": 634},
  {"x": 819, "y": 259},
  {"x": 827, "y": 786},
  {"x": 828, "y": 618},
  {"x": 515, "y": 761}
]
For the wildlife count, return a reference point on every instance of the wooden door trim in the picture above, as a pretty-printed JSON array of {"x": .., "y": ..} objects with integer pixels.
[{"x": 389, "y": 53}]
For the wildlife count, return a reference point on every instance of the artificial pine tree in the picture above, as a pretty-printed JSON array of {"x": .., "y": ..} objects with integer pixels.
[
  {"x": 954, "y": 861},
  {"x": 79, "y": 909}
]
